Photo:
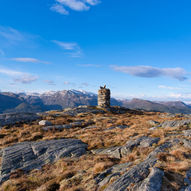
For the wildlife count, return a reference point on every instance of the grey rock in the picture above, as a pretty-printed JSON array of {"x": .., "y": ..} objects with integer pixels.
[
  {"x": 153, "y": 128},
  {"x": 153, "y": 182},
  {"x": 187, "y": 143},
  {"x": 187, "y": 133},
  {"x": 115, "y": 171},
  {"x": 188, "y": 188},
  {"x": 67, "y": 126},
  {"x": 121, "y": 151},
  {"x": 79, "y": 110},
  {"x": 176, "y": 123},
  {"x": 44, "y": 123},
  {"x": 140, "y": 142},
  {"x": 117, "y": 127},
  {"x": 149, "y": 141},
  {"x": 134, "y": 175},
  {"x": 31, "y": 155},
  {"x": 91, "y": 127},
  {"x": 12, "y": 118},
  {"x": 112, "y": 151},
  {"x": 187, "y": 179}
]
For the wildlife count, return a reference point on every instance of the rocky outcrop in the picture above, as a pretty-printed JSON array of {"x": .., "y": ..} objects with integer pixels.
[
  {"x": 82, "y": 109},
  {"x": 31, "y": 155},
  {"x": 113, "y": 172},
  {"x": 138, "y": 173},
  {"x": 12, "y": 118},
  {"x": 176, "y": 123},
  {"x": 117, "y": 127},
  {"x": 79, "y": 123},
  {"x": 120, "y": 151},
  {"x": 153, "y": 182}
]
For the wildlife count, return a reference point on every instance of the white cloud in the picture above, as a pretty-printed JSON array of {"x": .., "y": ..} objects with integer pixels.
[
  {"x": 30, "y": 60},
  {"x": 89, "y": 65},
  {"x": 50, "y": 82},
  {"x": 12, "y": 37},
  {"x": 71, "y": 48},
  {"x": 67, "y": 83},
  {"x": 152, "y": 72},
  {"x": 18, "y": 76},
  {"x": 26, "y": 79},
  {"x": 67, "y": 45},
  {"x": 11, "y": 34},
  {"x": 59, "y": 9},
  {"x": 61, "y": 6},
  {"x": 168, "y": 87}
]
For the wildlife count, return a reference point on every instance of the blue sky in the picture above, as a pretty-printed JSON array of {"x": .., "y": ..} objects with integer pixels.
[{"x": 138, "y": 48}]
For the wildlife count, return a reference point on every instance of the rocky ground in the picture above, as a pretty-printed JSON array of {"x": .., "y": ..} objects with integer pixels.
[{"x": 90, "y": 149}]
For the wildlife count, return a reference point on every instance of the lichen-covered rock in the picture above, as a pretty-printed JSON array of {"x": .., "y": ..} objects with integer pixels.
[
  {"x": 12, "y": 118},
  {"x": 31, "y": 155}
]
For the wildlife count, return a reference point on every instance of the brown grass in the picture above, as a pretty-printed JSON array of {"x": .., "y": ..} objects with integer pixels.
[{"x": 78, "y": 174}]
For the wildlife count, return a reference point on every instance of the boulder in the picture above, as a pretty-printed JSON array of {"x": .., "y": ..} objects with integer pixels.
[
  {"x": 30, "y": 155},
  {"x": 44, "y": 123}
]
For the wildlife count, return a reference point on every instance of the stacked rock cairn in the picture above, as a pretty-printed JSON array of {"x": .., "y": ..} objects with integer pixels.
[{"x": 104, "y": 97}]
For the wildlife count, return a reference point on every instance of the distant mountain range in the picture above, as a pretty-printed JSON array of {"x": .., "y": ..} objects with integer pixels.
[{"x": 57, "y": 100}]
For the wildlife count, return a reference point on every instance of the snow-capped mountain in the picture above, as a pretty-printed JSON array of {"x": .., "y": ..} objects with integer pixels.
[{"x": 57, "y": 100}]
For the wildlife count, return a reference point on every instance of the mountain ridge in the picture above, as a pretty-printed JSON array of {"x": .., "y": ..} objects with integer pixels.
[{"x": 58, "y": 100}]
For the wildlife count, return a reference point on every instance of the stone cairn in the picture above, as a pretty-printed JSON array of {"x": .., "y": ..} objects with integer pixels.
[{"x": 104, "y": 97}]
